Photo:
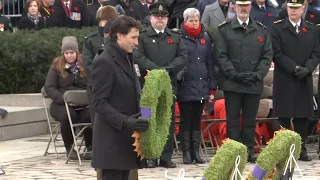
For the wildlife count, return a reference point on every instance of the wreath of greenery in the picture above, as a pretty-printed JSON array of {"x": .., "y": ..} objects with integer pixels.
[
  {"x": 222, "y": 165},
  {"x": 274, "y": 156},
  {"x": 157, "y": 95}
]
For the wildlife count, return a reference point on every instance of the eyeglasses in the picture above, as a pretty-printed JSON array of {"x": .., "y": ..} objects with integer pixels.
[{"x": 158, "y": 16}]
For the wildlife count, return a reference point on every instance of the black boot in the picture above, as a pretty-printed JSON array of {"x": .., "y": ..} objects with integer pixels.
[
  {"x": 196, "y": 140},
  {"x": 304, "y": 154},
  {"x": 186, "y": 147},
  {"x": 73, "y": 155},
  {"x": 88, "y": 154}
]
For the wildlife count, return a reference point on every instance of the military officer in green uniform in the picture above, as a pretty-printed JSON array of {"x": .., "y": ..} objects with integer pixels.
[
  {"x": 94, "y": 42},
  {"x": 243, "y": 50},
  {"x": 161, "y": 48}
]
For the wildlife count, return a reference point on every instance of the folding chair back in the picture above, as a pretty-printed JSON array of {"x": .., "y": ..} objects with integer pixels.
[
  {"x": 54, "y": 126},
  {"x": 76, "y": 98}
]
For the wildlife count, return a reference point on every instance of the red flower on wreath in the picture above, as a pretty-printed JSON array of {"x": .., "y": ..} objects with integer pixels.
[
  {"x": 75, "y": 9},
  {"x": 169, "y": 41},
  {"x": 203, "y": 41},
  {"x": 260, "y": 39},
  {"x": 311, "y": 15},
  {"x": 304, "y": 29},
  {"x": 269, "y": 14}
]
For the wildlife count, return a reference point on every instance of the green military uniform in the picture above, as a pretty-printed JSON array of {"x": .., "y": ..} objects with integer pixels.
[
  {"x": 5, "y": 24},
  {"x": 162, "y": 50},
  {"x": 92, "y": 44},
  {"x": 244, "y": 54}
]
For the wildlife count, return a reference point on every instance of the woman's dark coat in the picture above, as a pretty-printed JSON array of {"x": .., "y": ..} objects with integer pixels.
[{"x": 199, "y": 77}]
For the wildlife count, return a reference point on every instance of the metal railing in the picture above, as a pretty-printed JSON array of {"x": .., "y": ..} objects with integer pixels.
[{"x": 13, "y": 8}]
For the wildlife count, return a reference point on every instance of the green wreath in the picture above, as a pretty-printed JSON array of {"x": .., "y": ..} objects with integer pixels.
[
  {"x": 222, "y": 165},
  {"x": 157, "y": 97},
  {"x": 274, "y": 156}
]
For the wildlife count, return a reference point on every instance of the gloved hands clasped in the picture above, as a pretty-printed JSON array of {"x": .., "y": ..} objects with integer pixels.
[
  {"x": 301, "y": 72},
  {"x": 135, "y": 124},
  {"x": 246, "y": 78}
]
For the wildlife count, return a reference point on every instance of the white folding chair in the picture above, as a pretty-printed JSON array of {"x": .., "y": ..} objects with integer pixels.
[
  {"x": 54, "y": 126},
  {"x": 76, "y": 98}
]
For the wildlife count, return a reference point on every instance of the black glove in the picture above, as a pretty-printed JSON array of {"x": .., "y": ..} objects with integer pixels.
[
  {"x": 251, "y": 78},
  {"x": 301, "y": 72},
  {"x": 240, "y": 77},
  {"x": 135, "y": 124}
]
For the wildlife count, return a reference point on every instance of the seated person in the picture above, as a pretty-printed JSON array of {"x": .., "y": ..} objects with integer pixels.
[{"x": 67, "y": 73}]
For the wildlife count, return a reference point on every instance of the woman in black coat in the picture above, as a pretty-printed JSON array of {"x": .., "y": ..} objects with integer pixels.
[
  {"x": 67, "y": 73},
  {"x": 194, "y": 88},
  {"x": 33, "y": 19}
]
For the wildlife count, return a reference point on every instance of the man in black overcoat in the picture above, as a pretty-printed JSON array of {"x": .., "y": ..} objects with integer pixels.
[
  {"x": 296, "y": 55},
  {"x": 116, "y": 94}
]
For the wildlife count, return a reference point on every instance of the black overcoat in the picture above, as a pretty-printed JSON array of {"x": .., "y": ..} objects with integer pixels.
[
  {"x": 115, "y": 94},
  {"x": 293, "y": 97}
]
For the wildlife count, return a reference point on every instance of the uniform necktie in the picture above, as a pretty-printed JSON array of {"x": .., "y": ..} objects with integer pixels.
[
  {"x": 262, "y": 8},
  {"x": 244, "y": 25},
  {"x": 160, "y": 34},
  {"x": 297, "y": 29}
]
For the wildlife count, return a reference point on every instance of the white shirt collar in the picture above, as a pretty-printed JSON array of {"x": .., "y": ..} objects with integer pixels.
[
  {"x": 294, "y": 24},
  {"x": 247, "y": 21},
  {"x": 157, "y": 31},
  {"x": 66, "y": 2}
]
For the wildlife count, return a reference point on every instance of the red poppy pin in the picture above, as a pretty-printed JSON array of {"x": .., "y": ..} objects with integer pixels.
[
  {"x": 260, "y": 39},
  {"x": 203, "y": 41},
  {"x": 52, "y": 10},
  {"x": 75, "y": 9},
  {"x": 304, "y": 29},
  {"x": 269, "y": 14},
  {"x": 169, "y": 41},
  {"x": 311, "y": 15},
  {"x": 131, "y": 9}
]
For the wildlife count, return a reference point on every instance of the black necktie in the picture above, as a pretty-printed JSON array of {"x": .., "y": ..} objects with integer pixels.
[
  {"x": 160, "y": 34},
  {"x": 244, "y": 25},
  {"x": 263, "y": 8}
]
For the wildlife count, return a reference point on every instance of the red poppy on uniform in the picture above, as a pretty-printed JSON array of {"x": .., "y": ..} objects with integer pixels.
[
  {"x": 52, "y": 10},
  {"x": 169, "y": 41},
  {"x": 269, "y": 14},
  {"x": 76, "y": 9},
  {"x": 311, "y": 15},
  {"x": 260, "y": 39},
  {"x": 203, "y": 41},
  {"x": 304, "y": 29},
  {"x": 131, "y": 9}
]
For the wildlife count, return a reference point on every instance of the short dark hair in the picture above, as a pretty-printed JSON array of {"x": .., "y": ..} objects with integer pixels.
[{"x": 123, "y": 25}]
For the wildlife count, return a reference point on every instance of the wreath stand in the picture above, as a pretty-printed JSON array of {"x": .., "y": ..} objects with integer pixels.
[
  {"x": 179, "y": 177},
  {"x": 288, "y": 174}
]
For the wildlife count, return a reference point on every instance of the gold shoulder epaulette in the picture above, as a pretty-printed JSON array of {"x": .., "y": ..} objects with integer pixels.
[
  {"x": 261, "y": 24},
  {"x": 223, "y": 23},
  {"x": 276, "y": 22},
  {"x": 309, "y": 22}
]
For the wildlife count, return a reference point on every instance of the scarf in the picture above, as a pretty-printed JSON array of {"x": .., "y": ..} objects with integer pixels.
[
  {"x": 73, "y": 68},
  {"x": 192, "y": 31},
  {"x": 33, "y": 18}
]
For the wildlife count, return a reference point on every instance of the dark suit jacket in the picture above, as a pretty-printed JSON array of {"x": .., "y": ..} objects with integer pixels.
[
  {"x": 115, "y": 93},
  {"x": 77, "y": 6}
]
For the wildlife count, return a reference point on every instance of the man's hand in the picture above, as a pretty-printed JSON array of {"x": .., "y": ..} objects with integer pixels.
[
  {"x": 301, "y": 72},
  {"x": 135, "y": 124}
]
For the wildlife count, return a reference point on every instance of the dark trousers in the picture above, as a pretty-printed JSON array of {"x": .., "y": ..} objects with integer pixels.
[
  {"x": 108, "y": 174},
  {"x": 248, "y": 104},
  {"x": 190, "y": 115},
  {"x": 168, "y": 148},
  {"x": 300, "y": 126},
  {"x": 59, "y": 113},
  {"x": 89, "y": 92}
]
